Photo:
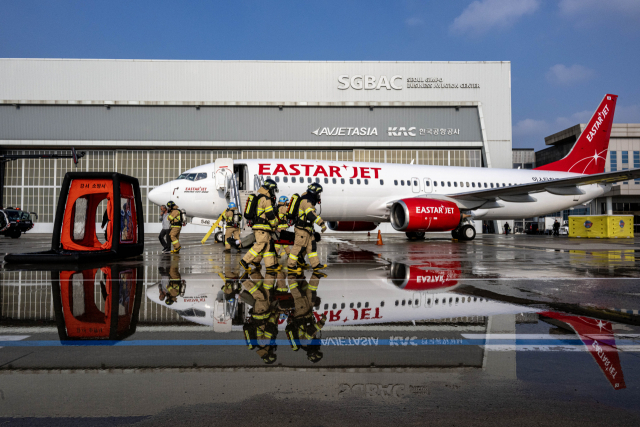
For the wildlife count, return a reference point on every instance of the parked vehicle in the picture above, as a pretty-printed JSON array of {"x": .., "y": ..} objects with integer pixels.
[{"x": 15, "y": 221}]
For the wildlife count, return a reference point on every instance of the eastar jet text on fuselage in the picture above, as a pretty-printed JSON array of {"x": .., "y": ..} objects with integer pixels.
[{"x": 414, "y": 198}]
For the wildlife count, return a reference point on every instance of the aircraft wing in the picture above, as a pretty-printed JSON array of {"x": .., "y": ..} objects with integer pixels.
[{"x": 561, "y": 186}]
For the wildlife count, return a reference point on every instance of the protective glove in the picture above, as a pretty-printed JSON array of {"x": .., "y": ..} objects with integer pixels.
[{"x": 324, "y": 228}]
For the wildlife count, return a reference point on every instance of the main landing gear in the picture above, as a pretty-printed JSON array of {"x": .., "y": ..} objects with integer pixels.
[
  {"x": 415, "y": 235},
  {"x": 465, "y": 232}
]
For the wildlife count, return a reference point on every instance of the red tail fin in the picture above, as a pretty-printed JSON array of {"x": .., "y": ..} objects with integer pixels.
[{"x": 589, "y": 153}]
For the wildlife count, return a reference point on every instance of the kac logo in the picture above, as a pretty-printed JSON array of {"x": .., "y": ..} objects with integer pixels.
[
  {"x": 401, "y": 131},
  {"x": 621, "y": 224},
  {"x": 588, "y": 224}
]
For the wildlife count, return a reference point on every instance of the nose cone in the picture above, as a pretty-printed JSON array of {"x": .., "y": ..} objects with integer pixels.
[{"x": 161, "y": 195}]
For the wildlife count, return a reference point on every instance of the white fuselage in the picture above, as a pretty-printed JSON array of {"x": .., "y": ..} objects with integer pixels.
[{"x": 360, "y": 191}]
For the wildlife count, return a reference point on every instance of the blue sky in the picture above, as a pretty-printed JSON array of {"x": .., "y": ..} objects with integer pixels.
[{"x": 565, "y": 54}]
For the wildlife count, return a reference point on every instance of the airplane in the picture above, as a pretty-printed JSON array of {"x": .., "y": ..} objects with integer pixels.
[{"x": 358, "y": 196}]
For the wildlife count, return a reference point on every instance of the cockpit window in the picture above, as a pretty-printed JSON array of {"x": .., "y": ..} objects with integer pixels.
[
  {"x": 191, "y": 177},
  {"x": 182, "y": 176},
  {"x": 201, "y": 175}
]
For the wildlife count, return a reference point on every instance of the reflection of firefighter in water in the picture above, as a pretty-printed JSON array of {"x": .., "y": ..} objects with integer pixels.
[
  {"x": 171, "y": 284},
  {"x": 231, "y": 285},
  {"x": 261, "y": 328},
  {"x": 302, "y": 327}
]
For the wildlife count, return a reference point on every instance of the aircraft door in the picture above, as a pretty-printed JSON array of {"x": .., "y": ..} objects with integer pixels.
[
  {"x": 427, "y": 185},
  {"x": 222, "y": 166},
  {"x": 415, "y": 185}
]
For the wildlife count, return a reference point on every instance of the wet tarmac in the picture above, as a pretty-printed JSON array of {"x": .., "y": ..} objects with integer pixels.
[{"x": 517, "y": 330}]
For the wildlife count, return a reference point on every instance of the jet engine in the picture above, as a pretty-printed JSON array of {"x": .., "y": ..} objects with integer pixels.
[
  {"x": 431, "y": 277},
  {"x": 419, "y": 214},
  {"x": 352, "y": 225}
]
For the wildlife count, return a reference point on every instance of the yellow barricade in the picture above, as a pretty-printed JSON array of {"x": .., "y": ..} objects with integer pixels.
[{"x": 601, "y": 226}]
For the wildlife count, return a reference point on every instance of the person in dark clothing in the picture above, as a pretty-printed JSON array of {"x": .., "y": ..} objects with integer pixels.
[
  {"x": 166, "y": 229},
  {"x": 506, "y": 228},
  {"x": 105, "y": 222},
  {"x": 556, "y": 228}
]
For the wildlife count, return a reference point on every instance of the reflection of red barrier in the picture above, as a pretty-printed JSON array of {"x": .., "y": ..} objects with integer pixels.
[
  {"x": 597, "y": 336},
  {"x": 77, "y": 307}
]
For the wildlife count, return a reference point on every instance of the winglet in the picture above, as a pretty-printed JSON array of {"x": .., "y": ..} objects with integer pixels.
[{"x": 589, "y": 154}]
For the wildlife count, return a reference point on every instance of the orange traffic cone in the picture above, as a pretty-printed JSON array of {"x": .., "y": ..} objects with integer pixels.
[{"x": 379, "y": 243}]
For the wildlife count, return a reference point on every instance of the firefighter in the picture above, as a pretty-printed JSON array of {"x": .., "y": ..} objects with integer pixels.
[
  {"x": 283, "y": 223},
  {"x": 176, "y": 220},
  {"x": 171, "y": 285},
  {"x": 305, "y": 239},
  {"x": 260, "y": 331},
  {"x": 232, "y": 227},
  {"x": 265, "y": 223}
]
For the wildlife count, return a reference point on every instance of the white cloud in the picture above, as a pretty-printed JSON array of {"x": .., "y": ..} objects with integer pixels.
[
  {"x": 482, "y": 16},
  {"x": 574, "y": 119},
  {"x": 563, "y": 75},
  {"x": 529, "y": 127},
  {"x": 594, "y": 8},
  {"x": 414, "y": 22}
]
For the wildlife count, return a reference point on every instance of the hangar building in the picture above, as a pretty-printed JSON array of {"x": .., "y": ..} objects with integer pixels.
[{"x": 153, "y": 119}]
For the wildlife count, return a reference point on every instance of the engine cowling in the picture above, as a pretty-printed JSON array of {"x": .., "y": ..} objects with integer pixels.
[
  {"x": 352, "y": 226},
  {"x": 425, "y": 277},
  {"x": 420, "y": 214}
]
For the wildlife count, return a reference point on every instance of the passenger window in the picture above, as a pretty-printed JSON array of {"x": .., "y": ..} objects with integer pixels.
[
  {"x": 366, "y": 182},
  {"x": 366, "y": 304},
  {"x": 485, "y": 185},
  {"x": 326, "y": 306},
  {"x": 409, "y": 302},
  {"x": 335, "y": 181},
  {"x": 359, "y": 305},
  {"x": 435, "y": 183},
  {"x": 402, "y": 182},
  {"x": 293, "y": 179},
  {"x": 381, "y": 303},
  {"x": 308, "y": 181},
  {"x": 427, "y": 183},
  {"x": 341, "y": 180},
  {"x": 285, "y": 179},
  {"x": 437, "y": 300},
  {"x": 382, "y": 182},
  {"x": 201, "y": 175},
  {"x": 351, "y": 305},
  {"x": 334, "y": 306},
  {"x": 191, "y": 177},
  {"x": 358, "y": 181},
  {"x": 448, "y": 183},
  {"x": 403, "y": 302},
  {"x": 342, "y": 305},
  {"x": 326, "y": 180},
  {"x": 317, "y": 180},
  {"x": 473, "y": 184},
  {"x": 277, "y": 179},
  {"x": 503, "y": 184},
  {"x": 455, "y": 184},
  {"x": 467, "y": 184},
  {"x": 350, "y": 181},
  {"x": 429, "y": 301},
  {"x": 492, "y": 185},
  {"x": 397, "y": 302},
  {"x": 415, "y": 183},
  {"x": 395, "y": 182}
]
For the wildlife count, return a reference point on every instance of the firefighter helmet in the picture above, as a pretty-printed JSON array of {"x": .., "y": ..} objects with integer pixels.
[
  {"x": 314, "y": 188},
  {"x": 283, "y": 199},
  {"x": 270, "y": 185}
]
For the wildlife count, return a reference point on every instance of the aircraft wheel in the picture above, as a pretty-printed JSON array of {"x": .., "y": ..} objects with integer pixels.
[
  {"x": 414, "y": 235},
  {"x": 467, "y": 233},
  {"x": 455, "y": 234},
  {"x": 219, "y": 237}
]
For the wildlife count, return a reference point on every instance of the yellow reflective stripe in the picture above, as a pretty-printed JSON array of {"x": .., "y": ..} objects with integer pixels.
[
  {"x": 174, "y": 242},
  {"x": 268, "y": 254},
  {"x": 255, "y": 288},
  {"x": 170, "y": 217},
  {"x": 260, "y": 317},
  {"x": 293, "y": 341},
  {"x": 176, "y": 226},
  {"x": 268, "y": 335},
  {"x": 318, "y": 219},
  {"x": 278, "y": 246},
  {"x": 268, "y": 209},
  {"x": 313, "y": 288},
  {"x": 312, "y": 254},
  {"x": 268, "y": 287},
  {"x": 254, "y": 253},
  {"x": 293, "y": 257},
  {"x": 293, "y": 285},
  {"x": 306, "y": 211},
  {"x": 318, "y": 327}
]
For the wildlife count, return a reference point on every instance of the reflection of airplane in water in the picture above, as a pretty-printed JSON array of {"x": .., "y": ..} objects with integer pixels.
[{"x": 366, "y": 294}]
